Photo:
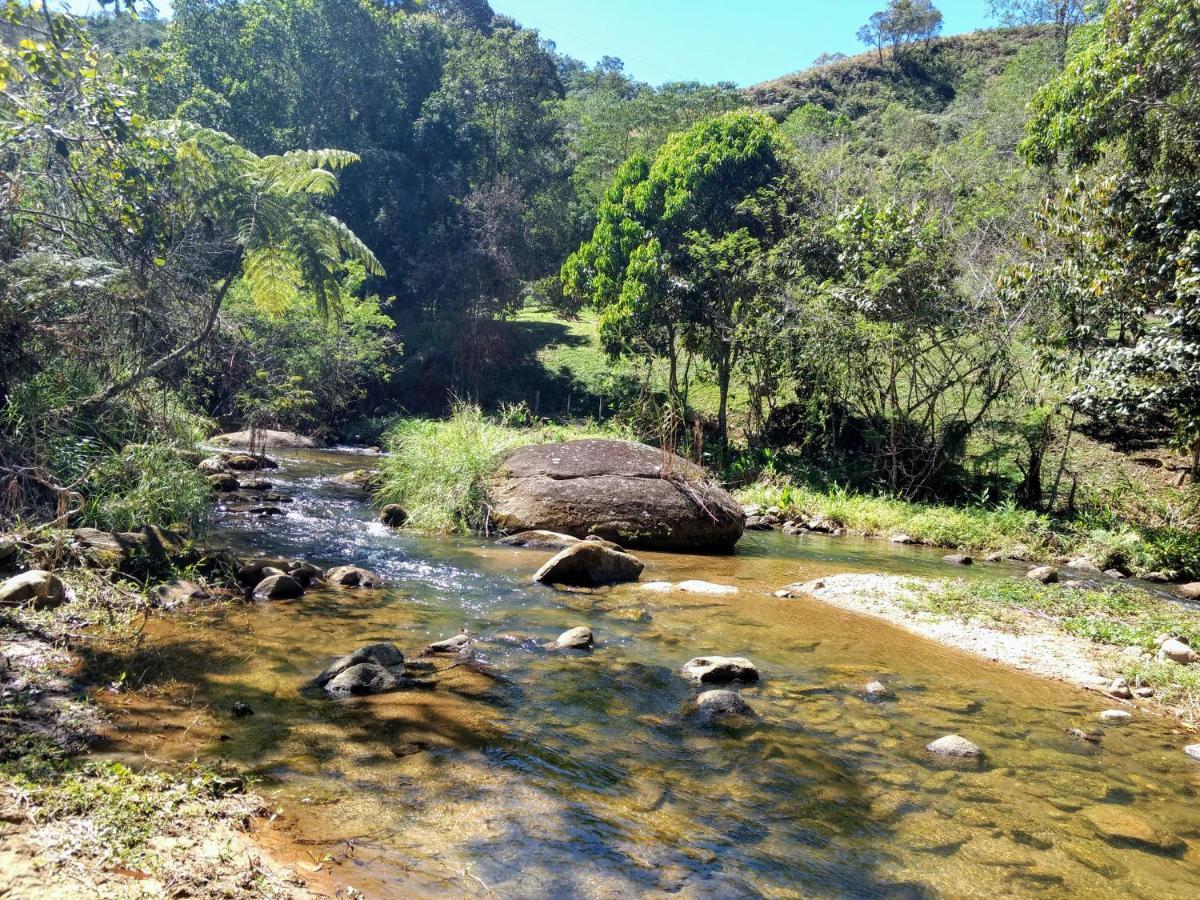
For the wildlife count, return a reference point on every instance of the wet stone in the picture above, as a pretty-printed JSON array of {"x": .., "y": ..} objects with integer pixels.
[
  {"x": 574, "y": 639},
  {"x": 955, "y": 747},
  {"x": 1122, "y": 827},
  {"x": 1116, "y": 717},
  {"x": 722, "y": 706},
  {"x": 720, "y": 669}
]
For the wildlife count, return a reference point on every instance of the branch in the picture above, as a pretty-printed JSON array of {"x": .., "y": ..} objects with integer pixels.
[{"x": 93, "y": 404}]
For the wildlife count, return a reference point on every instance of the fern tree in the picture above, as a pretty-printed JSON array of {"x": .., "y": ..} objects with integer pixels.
[{"x": 174, "y": 213}]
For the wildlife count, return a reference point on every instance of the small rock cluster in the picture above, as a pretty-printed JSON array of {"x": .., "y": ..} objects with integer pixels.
[
  {"x": 759, "y": 519},
  {"x": 288, "y": 579}
]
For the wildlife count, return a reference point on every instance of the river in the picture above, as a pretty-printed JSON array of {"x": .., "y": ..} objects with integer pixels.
[{"x": 578, "y": 774}]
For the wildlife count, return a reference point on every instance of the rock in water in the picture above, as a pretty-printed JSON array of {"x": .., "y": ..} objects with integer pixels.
[
  {"x": 353, "y": 577},
  {"x": 265, "y": 438},
  {"x": 42, "y": 589},
  {"x": 539, "y": 540},
  {"x": 368, "y": 670},
  {"x": 225, "y": 483},
  {"x": 720, "y": 669},
  {"x": 244, "y": 462},
  {"x": 393, "y": 515},
  {"x": 954, "y": 746},
  {"x": 255, "y": 570},
  {"x": 451, "y": 645},
  {"x": 362, "y": 680},
  {"x": 575, "y": 639},
  {"x": 589, "y": 564},
  {"x": 1044, "y": 574},
  {"x": 722, "y": 706},
  {"x": 1193, "y": 750},
  {"x": 958, "y": 559},
  {"x": 279, "y": 586},
  {"x": 1121, "y": 827},
  {"x": 623, "y": 491},
  {"x": 214, "y": 465},
  {"x": 1116, "y": 716},
  {"x": 705, "y": 587},
  {"x": 1191, "y": 590}
]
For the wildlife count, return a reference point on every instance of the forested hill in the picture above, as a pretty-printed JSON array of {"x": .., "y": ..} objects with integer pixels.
[{"x": 928, "y": 79}]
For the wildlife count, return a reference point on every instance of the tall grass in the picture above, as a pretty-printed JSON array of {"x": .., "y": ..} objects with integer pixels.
[
  {"x": 438, "y": 469},
  {"x": 1106, "y": 540},
  {"x": 142, "y": 485}
]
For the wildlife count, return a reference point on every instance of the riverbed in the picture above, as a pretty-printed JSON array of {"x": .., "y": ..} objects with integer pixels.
[{"x": 580, "y": 774}]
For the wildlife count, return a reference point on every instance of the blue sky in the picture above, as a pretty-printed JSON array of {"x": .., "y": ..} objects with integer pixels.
[{"x": 703, "y": 40}]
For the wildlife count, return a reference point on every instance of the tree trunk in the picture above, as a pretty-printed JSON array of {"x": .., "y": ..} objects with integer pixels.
[{"x": 723, "y": 372}]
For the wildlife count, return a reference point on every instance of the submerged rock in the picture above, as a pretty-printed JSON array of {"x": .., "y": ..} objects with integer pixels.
[
  {"x": 958, "y": 559},
  {"x": 1116, "y": 716},
  {"x": 877, "y": 690},
  {"x": 367, "y": 479},
  {"x": 626, "y": 492},
  {"x": 538, "y": 539},
  {"x": 589, "y": 564},
  {"x": 353, "y": 577},
  {"x": 720, "y": 669},
  {"x": 1193, "y": 750},
  {"x": 954, "y": 746},
  {"x": 721, "y": 706},
  {"x": 38, "y": 587},
  {"x": 244, "y": 462},
  {"x": 579, "y": 638},
  {"x": 705, "y": 587},
  {"x": 1122, "y": 827},
  {"x": 1044, "y": 574}
]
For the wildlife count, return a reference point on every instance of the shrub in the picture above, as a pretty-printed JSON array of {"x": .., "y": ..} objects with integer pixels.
[{"x": 144, "y": 485}]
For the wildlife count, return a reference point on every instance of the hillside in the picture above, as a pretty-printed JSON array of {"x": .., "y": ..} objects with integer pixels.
[{"x": 928, "y": 79}]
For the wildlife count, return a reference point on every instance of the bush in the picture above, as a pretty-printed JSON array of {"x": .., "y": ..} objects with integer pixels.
[
  {"x": 438, "y": 469},
  {"x": 144, "y": 485}
]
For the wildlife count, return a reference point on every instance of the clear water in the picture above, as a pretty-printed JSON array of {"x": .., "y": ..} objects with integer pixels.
[{"x": 578, "y": 775}]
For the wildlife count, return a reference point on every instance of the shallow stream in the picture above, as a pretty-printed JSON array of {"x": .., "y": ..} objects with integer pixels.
[{"x": 578, "y": 775}]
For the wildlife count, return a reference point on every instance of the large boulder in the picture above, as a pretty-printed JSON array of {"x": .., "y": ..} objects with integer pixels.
[
  {"x": 623, "y": 491},
  {"x": 353, "y": 577},
  {"x": 265, "y": 439},
  {"x": 373, "y": 669},
  {"x": 589, "y": 564}
]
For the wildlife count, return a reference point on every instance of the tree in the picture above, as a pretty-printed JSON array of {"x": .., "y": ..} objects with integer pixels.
[
  {"x": 1065, "y": 15},
  {"x": 1125, "y": 238},
  {"x": 876, "y": 33},
  {"x": 675, "y": 252},
  {"x": 902, "y": 23}
]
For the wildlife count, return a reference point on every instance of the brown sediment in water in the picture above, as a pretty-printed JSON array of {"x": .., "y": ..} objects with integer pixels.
[{"x": 582, "y": 774}]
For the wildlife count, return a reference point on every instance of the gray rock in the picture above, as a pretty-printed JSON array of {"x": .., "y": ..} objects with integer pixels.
[
  {"x": 901, "y": 538},
  {"x": 305, "y": 573},
  {"x": 957, "y": 559},
  {"x": 254, "y": 571},
  {"x": 721, "y": 706},
  {"x": 589, "y": 564},
  {"x": 579, "y": 638},
  {"x": 362, "y": 680},
  {"x": 877, "y": 690},
  {"x": 279, "y": 587},
  {"x": 455, "y": 644},
  {"x": 264, "y": 438},
  {"x": 693, "y": 586},
  {"x": 1120, "y": 688},
  {"x": 372, "y": 669},
  {"x": 38, "y": 587},
  {"x": 225, "y": 483},
  {"x": 1191, "y": 590},
  {"x": 1044, "y": 574},
  {"x": 954, "y": 746},
  {"x": 245, "y": 462},
  {"x": 1115, "y": 574},
  {"x": 758, "y": 523},
  {"x": 8, "y": 549},
  {"x": 1178, "y": 652},
  {"x": 1116, "y": 716},
  {"x": 720, "y": 669},
  {"x": 393, "y": 515},
  {"x": 1193, "y": 750},
  {"x": 214, "y": 465},
  {"x": 1083, "y": 564},
  {"x": 353, "y": 577},
  {"x": 626, "y": 492},
  {"x": 539, "y": 540}
]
